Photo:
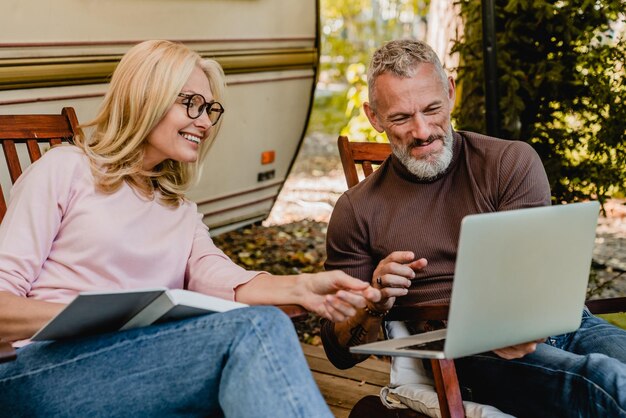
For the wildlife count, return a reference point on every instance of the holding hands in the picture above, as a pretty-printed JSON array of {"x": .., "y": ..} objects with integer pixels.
[
  {"x": 333, "y": 295},
  {"x": 391, "y": 278},
  {"x": 336, "y": 296}
]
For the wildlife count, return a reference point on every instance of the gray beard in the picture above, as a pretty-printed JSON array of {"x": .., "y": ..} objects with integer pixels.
[{"x": 421, "y": 168}]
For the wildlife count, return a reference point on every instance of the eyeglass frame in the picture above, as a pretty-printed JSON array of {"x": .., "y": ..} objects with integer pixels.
[{"x": 208, "y": 107}]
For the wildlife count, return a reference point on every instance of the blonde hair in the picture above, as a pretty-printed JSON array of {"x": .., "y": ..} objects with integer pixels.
[
  {"x": 401, "y": 58},
  {"x": 143, "y": 87}
]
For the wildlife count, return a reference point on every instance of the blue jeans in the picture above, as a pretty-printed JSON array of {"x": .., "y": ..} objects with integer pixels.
[
  {"x": 580, "y": 374},
  {"x": 242, "y": 363}
]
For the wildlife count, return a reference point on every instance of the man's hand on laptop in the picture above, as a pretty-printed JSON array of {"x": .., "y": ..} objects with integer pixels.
[
  {"x": 393, "y": 277},
  {"x": 519, "y": 350}
]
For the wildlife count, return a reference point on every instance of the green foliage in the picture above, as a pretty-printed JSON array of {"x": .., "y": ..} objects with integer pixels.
[
  {"x": 358, "y": 127},
  {"x": 562, "y": 88},
  {"x": 326, "y": 115},
  {"x": 351, "y": 31}
]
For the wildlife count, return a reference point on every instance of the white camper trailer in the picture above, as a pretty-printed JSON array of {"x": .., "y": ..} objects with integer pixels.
[{"x": 61, "y": 53}]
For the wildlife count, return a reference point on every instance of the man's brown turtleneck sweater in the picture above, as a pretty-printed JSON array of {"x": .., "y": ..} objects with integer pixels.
[{"x": 392, "y": 210}]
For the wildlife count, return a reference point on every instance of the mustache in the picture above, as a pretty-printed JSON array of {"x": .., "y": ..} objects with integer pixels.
[{"x": 415, "y": 143}]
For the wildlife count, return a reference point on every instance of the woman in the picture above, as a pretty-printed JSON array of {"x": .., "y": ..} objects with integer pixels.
[{"x": 110, "y": 213}]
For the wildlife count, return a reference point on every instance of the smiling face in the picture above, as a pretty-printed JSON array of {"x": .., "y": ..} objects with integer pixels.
[
  {"x": 177, "y": 136},
  {"x": 414, "y": 112}
]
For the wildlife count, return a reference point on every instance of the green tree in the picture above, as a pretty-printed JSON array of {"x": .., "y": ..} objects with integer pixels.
[
  {"x": 351, "y": 31},
  {"x": 562, "y": 87}
]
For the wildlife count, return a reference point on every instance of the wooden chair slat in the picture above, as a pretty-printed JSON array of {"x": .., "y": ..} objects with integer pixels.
[
  {"x": 33, "y": 150},
  {"x": 367, "y": 168},
  {"x": 70, "y": 115},
  {"x": 13, "y": 160}
]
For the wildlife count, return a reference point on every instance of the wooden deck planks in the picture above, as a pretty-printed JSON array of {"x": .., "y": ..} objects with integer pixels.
[{"x": 343, "y": 388}]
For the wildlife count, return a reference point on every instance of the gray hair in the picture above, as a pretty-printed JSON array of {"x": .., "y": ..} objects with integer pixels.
[{"x": 401, "y": 58}]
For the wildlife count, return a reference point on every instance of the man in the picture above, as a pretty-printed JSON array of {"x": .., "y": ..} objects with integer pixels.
[{"x": 399, "y": 229}]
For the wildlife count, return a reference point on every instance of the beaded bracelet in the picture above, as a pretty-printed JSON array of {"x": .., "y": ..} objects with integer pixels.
[{"x": 375, "y": 313}]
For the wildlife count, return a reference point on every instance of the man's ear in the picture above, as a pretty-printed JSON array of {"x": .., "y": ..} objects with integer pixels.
[
  {"x": 371, "y": 115},
  {"x": 451, "y": 92}
]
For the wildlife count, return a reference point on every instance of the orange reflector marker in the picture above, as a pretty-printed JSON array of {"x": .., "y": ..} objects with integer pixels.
[{"x": 268, "y": 157}]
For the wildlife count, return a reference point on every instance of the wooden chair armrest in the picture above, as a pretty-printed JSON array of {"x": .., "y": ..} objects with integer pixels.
[
  {"x": 295, "y": 312},
  {"x": 7, "y": 352},
  {"x": 609, "y": 305},
  {"x": 440, "y": 312},
  {"x": 416, "y": 312}
]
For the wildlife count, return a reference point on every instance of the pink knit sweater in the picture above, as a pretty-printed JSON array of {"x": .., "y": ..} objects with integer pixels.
[{"x": 61, "y": 236}]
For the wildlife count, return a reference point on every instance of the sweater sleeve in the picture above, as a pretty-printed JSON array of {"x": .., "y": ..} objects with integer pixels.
[
  {"x": 347, "y": 250},
  {"x": 523, "y": 182},
  {"x": 347, "y": 242},
  {"x": 38, "y": 201},
  {"x": 209, "y": 270}
]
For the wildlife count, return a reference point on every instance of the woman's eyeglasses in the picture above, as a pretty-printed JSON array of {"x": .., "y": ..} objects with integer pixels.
[{"x": 196, "y": 104}]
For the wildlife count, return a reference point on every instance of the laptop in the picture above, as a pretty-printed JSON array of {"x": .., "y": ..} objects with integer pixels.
[{"x": 520, "y": 275}]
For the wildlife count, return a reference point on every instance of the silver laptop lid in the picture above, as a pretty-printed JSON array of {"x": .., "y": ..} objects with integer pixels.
[{"x": 512, "y": 268}]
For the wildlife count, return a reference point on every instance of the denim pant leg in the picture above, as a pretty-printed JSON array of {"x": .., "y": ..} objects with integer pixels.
[
  {"x": 554, "y": 382},
  {"x": 267, "y": 374},
  {"x": 595, "y": 335},
  {"x": 242, "y": 363}
]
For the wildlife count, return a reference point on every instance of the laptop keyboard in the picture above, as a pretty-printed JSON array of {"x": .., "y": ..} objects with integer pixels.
[{"x": 436, "y": 345}]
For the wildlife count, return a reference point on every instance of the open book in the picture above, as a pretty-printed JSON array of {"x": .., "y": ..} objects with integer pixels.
[{"x": 93, "y": 313}]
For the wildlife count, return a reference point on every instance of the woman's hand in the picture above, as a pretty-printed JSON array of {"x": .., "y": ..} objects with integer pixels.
[
  {"x": 21, "y": 317},
  {"x": 393, "y": 277},
  {"x": 334, "y": 295}
]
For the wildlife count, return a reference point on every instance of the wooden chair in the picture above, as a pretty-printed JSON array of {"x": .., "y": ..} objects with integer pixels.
[
  {"x": 31, "y": 130},
  {"x": 368, "y": 154}
]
